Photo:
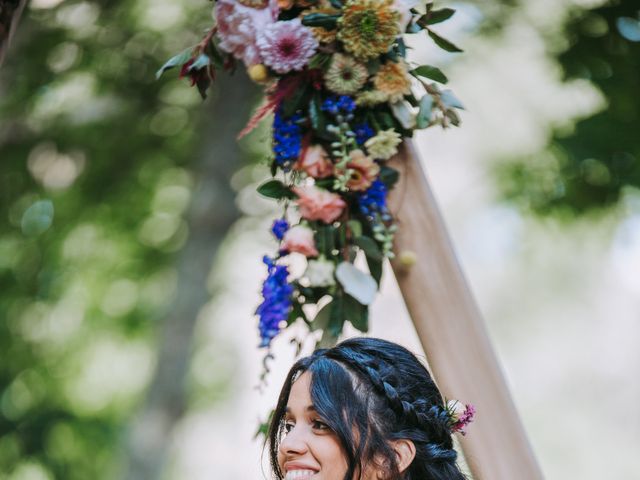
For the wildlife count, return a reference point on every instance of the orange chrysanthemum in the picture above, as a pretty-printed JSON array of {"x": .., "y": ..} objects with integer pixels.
[
  {"x": 393, "y": 80},
  {"x": 368, "y": 28}
]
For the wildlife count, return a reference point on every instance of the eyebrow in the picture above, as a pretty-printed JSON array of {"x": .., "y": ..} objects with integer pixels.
[{"x": 309, "y": 408}]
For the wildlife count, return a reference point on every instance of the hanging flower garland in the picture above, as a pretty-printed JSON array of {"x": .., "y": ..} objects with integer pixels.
[{"x": 343, "y": 96}]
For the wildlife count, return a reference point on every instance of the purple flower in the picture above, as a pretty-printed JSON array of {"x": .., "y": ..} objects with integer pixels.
[
  {"x": 279, "y": 228},
  {"x": 363, "y": 133},
  {"x": 286, "y": 45},
  {"x": 276, "y": 305}
]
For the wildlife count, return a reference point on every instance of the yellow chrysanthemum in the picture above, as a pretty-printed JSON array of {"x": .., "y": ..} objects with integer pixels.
[
  {"x": 368, "y": 28},
  {"x": 393, "y": 80},
  {"x": 369, "y": 98},
  {"x": 345, "y": 75},
  {"x": 384, "y": 145}
]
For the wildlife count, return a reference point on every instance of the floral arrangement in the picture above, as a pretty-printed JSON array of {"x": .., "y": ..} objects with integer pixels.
[
  {"x": 343, "y": 96},
  {"x": 459, "y": 415}
]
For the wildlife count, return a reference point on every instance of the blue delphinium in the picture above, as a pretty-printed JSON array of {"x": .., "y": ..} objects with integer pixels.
[
  {"x": 374, "y": 200},
  {"x": 363, "y": 132},
  {"x": 279, "y": 228},
  {"x": 342, "y": 104},
  {"x": 276, "y": 305},
  {"x": 287, "y": 139}
]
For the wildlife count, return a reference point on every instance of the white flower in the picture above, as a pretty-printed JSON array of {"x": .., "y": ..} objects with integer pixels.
[
  {"x": 356, "y": 283},
  {"x": 320, "y": 273}
]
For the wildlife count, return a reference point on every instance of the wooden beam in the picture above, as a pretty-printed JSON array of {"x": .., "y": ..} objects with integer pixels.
[
  {"x": 10, "y": 12},
  {"x": 451, "y": 329}
]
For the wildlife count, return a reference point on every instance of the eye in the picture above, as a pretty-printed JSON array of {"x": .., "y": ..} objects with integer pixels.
[
  {"x": 319, "y": 425},
  {"x": 288, "y": 426}
]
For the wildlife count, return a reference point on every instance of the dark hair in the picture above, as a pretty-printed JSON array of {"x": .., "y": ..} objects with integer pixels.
[{"x": 383, "y": 392}]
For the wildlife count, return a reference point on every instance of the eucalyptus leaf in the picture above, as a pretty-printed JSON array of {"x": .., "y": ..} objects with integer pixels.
[
  {"x": 389, "y": 176},
  {"x": 358, "y": 284},
  {"x": 37, "y": 218},
  {"x": 201, "y": 62},
  {"x": 450, "y": 100},
  {"x": 176, "y": 61},
  {"x": 430, "y": 72},
  {"x": 424, "y": 113}
]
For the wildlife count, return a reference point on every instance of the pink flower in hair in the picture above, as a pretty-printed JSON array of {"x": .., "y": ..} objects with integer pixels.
[
  {"x": 286, "y": 45},
  {"x": 319, "y": 204},
  {"x": 461, "y": 415},
  {"x": 299, "y": 239},
  {"x": 238, "y": 26}
]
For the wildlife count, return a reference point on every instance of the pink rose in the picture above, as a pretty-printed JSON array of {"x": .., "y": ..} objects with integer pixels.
[
  {"x": 319, "y": 204},
  {"x": 238, "y": 26},
  {"x": 299, "y": 239},
  {"x": 315, "y": 162}
]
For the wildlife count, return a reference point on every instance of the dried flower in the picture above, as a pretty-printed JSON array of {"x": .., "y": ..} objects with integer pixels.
[
  {"x": 319, "y": 204},
  {"x": 237, "y": 28},
  {"x": 393, "y": 80},
  {"x": 299, "y": 239},
  {"x": 368, "y": 28},
  {"x": 460, "y": 415},
  {"x": 364, "y": 171},
  {"x": 315, "y": 162},
  {"x": 345, "y": 75},
  {"x": 286, "y": 45},
  {"x": 370, "y": 98},
  {"x": 258, "y": 73},
  {"x": 384, "y": 145}
]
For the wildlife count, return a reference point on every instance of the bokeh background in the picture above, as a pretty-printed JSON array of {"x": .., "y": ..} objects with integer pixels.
[{"x": 131, "y": 238}]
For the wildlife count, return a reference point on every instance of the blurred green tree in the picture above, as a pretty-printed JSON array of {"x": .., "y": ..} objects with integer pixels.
[
  {"x": 591, "y": 166},
  {"x": 98, "y": 243}
]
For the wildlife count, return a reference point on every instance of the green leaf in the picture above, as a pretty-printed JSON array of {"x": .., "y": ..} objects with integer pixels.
[
  {"x": 275, "y": 189},
  {"x": 433, "y": 73},
  {"x": 389, "y": 176},
  {"x": 319, "y": 60},
  {"x": 356, "y": 313},
  {"x": 355, "y": 226},
  {"x": 176, "y": 61},
  {"x": 294, "y": 102},
  {"x": 438, "y": 16},
  {"x": 443, "y": 43},
  {"x": 321, "y": 320},
  {"x": 324, "y": 20},
  {"x": 424, "y": 113},
  {"x": 375, "y": 268},
  {"x": 369, "y": 247},
  {"x": 316, "y": 115},
  {"x": 296, "y": 313}
]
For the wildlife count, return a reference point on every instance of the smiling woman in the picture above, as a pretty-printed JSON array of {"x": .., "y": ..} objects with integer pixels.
[{"x": 366, "y": 409}]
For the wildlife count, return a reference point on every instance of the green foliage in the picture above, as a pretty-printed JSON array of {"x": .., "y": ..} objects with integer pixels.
[
  {"x": 93, "y": 187},
  {"x": 589, "y": 167}
]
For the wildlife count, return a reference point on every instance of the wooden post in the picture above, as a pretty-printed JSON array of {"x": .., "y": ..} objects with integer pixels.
[
  {"x": 10, "y": 12},
  {"x": 452, "y": 332}
]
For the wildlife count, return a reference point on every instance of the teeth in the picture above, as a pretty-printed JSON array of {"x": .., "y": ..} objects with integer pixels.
[{"x": 299, "y": 474}]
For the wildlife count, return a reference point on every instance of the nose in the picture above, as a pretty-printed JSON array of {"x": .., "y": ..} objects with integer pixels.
[{"x": 294, "y": 443}]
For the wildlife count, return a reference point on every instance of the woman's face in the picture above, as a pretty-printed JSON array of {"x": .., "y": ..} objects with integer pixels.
[{"x": 309, "y": 450}]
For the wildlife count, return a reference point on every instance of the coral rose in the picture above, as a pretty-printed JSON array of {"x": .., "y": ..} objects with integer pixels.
[
  {"x": 319, "y": 204},
  {"x": 364, "y": 172},
  {"x": 315, "y": 162},
  {"x": 299, "y": 239}
]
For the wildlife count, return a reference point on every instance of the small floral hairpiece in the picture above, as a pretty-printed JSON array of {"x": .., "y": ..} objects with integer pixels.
[{"x": 460, "y": 415}]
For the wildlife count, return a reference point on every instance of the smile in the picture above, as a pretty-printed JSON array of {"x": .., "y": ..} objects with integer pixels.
[{"x": 299, "y": 474}]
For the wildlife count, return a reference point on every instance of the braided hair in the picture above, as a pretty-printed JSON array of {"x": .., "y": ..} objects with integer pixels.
[{"x": 370, "y": 392}]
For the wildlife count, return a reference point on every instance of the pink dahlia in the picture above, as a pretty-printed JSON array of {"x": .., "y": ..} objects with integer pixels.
[
  {"x": 286, "y": 45},
  {"x": 238, "y": 27}
]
